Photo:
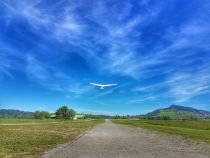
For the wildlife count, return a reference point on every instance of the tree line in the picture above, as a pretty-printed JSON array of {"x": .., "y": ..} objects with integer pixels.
[
  {"x": 61, "y": 113},
  {"x": 10, "y": 113}
]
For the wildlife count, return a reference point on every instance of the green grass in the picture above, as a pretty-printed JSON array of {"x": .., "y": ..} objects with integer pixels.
[
  {"x": 30, "y": 138},
  {"x": 24, "y": 121},
  {"x": 174, "y": 113},
  {"x": 199, "y": 130}
]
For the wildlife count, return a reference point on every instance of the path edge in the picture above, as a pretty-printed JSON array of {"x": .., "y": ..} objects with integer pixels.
[{"x": 48, "y": 152}]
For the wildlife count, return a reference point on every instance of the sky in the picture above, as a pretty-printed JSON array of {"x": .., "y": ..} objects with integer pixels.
[{"x": 158, "y": 52}]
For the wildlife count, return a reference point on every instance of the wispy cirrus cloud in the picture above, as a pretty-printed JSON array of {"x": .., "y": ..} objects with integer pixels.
[
  {"x": 180, "y": 86},
  {"x": 188, "y": 85},
  {"x": 150, "y": 98},
  {"x": 94, "y": 111},
  {"x": 4, "y": 66},
  {"x": 163, "y": 54},
  {"x": 10, "y": 61},
  {"x": 54, "y": 79},
  {"x": 122, "y": 34},
  {"x": 42, "y": 20}
]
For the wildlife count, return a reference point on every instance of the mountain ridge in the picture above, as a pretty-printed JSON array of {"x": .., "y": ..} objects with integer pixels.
[
  {"x": 13, "y": 113},
  {"x": 179, "y": 112}
]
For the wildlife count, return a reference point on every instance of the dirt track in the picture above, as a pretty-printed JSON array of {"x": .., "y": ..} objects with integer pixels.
[{"x": 118, "y": 141}]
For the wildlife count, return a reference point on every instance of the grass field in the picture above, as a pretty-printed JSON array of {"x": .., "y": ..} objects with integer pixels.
[
  {"x": 199, "y": 130},
  {"x": 29, "y": 138}
]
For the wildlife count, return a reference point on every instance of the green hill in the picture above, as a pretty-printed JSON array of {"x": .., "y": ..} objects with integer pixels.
[
  {"x": 179, "y": 112},
  {"x": 10, "y": 113}
]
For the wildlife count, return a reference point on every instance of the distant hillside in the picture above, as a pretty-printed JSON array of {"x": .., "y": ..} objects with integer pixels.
[
  {"x": 92, "y": 116},
  {"x": 179, "y": 112},
  {"x": 9, "y": 113}
]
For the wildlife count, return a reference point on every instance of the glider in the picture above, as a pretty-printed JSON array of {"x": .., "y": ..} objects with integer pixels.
[{"x": 103, "y": 85}]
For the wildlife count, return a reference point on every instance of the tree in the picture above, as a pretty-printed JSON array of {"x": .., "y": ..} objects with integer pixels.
[
  {"x": 65, "y": 113},
  {"x": 46, "y": 114},
  {"x": 37, "y": 114},
  {"x": 72, "y": 113},
  {"x": 41, "y": 114}
]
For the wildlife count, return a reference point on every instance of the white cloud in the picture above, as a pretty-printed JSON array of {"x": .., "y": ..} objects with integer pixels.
[
  {"x": 5, "y": 65},
  {"x": 95, "y": 111},
  {"x": 121, "y": 33},
  {"x": 38, "y": 18},
  {"x": 78, "y": 89},
  {"x": 43, "y": 75},
  {"x": 144, "y": 99},
  {"x": 144, "y": 2},
  {"x": 120, "y": 59},
  {"x": 122, "y": 56},
  {"x": 9, "y": 61},
  {"x": 54, "y": 79},
  {"x": 185, "y": 86},
  {"x": 36, "y": 70}
]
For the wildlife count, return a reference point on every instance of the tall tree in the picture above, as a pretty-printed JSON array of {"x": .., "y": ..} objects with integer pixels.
[
  {"x": 41, "y": 114},
  {"x": 72, "y": 113},
  {"x": 65, "y": 113}
]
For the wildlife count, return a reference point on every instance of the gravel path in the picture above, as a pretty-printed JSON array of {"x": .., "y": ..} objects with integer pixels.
[{"x": 109, "y": 140}]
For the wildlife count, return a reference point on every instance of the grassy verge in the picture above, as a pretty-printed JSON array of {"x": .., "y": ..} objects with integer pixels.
[
  {"x": 199, "y": 130},
  {"x": 30, "y": 138}
]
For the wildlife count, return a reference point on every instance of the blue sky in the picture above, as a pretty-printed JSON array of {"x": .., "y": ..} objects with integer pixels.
[{"x": 158, "y": 52}]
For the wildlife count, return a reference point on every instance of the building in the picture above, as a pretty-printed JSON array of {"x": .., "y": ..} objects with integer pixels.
[
  {"x": 52, "y": 116},
  {"x": 79, "y": 116},
  {"x": 76, "y": 117}
]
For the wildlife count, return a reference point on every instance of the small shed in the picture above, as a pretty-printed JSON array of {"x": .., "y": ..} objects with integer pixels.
[
  {"x": 52, "y": 116},
  {"x": 79, "y": 116}
]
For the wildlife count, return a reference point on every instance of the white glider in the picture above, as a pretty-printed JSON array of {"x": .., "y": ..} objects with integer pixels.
[{"x": 103, "y": 85}]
